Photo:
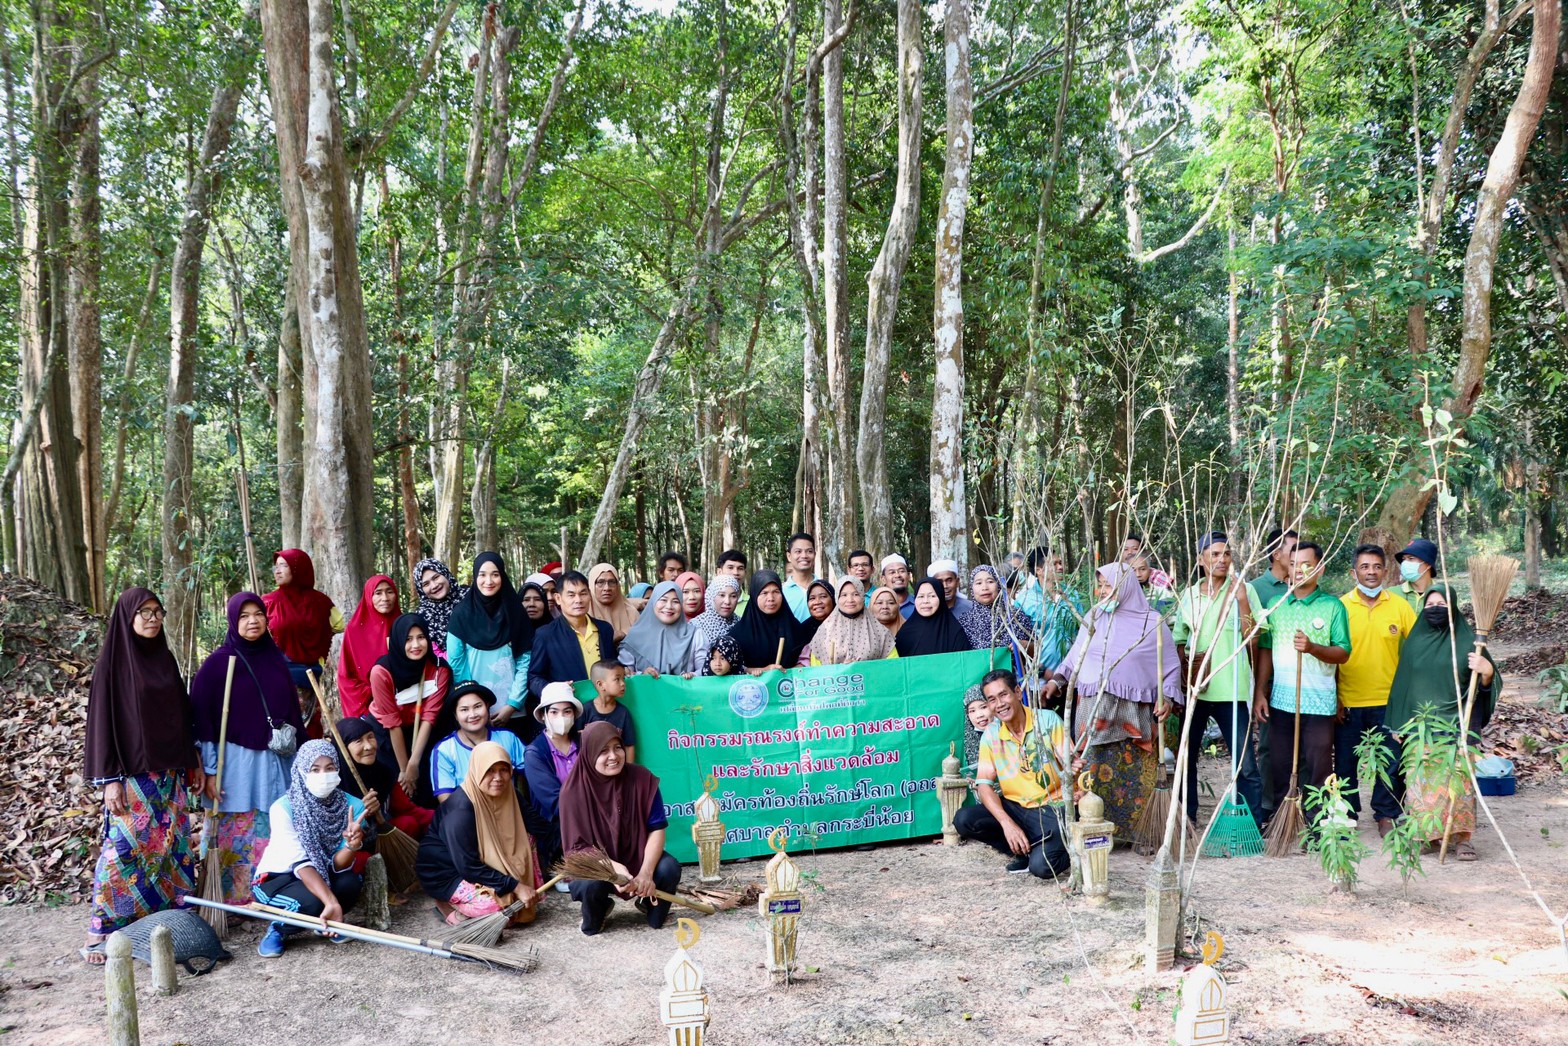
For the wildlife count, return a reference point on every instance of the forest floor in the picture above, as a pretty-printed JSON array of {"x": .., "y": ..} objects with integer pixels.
[{"x": 925, "y": 944}]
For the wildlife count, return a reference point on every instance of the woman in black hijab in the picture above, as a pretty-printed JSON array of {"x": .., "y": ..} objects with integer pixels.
[
  {"x": 140, "y": 752},
  {"x": 933, "y": 628},
  {"x": 768, "y": 634},
  {"x": 489, "y": 640}
]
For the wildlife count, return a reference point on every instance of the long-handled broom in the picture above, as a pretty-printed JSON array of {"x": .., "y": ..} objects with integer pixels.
[
  {"x": 1285, "y": 828},
  {"x": 1490, "y": 577},
  {"x": 212, "y": 864},
  {"x": 595, "y": 864},
  {"x": 1235, "y": 831},
  {"x": 397, "y": 848}
]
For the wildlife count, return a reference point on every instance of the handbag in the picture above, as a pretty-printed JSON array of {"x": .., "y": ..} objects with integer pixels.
[{"x": 284, "y": 741}]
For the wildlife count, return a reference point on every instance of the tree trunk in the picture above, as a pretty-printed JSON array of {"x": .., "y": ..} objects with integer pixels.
[
  {"x": 487, "y": 534},
  {"x": 949, "y": 522},
  {"x": 1233, "y": 376},
  {"x": 291, "y": 418},
  {"x": 184, "y": 307},
  {"x": 884, "y": 283},
  {"x": 1407, "y": 502},
  {"x": 86, "y": 337},
  {"x": 840, "y": 524},
  {"x": 128, "y": 376}
]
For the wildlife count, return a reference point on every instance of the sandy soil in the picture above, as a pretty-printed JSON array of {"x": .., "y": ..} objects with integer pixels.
[{"x": 911, "y": 944}]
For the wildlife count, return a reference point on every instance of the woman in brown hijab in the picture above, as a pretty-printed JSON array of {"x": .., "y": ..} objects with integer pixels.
[
  {"x": 615, "y": 806},
  {"x": 479, "y": 858},
  {"x": 140, "y": 752}
]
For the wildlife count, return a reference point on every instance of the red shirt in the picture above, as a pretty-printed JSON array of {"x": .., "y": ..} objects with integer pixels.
[{"x": 383, "y": 697}]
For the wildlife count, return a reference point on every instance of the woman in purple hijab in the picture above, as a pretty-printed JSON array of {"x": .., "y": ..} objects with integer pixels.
[
  {"x": 258, "y": 748},
  {"x": 1126, "y": 678}
]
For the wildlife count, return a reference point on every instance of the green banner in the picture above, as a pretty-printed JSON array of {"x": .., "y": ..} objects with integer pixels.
[{"x": 836, "y": 756}]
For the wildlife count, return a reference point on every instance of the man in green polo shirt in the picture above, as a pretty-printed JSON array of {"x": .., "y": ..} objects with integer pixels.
[
  {"x": 1270, "y": 588},
  {"x": 1309, "y": 635}
]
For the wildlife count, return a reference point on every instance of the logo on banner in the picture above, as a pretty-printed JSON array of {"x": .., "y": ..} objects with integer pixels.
[{"x": 748, "y": 698}]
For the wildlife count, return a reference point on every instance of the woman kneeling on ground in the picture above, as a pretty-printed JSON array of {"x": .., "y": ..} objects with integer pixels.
[
  {"x": 615, "y": 806},
  {"x": 479, "y": 858},
  {"x": 317, "y": 831}
]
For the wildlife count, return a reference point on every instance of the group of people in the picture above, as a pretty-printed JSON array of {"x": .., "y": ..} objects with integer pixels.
[{"x": 461, "y": 725}]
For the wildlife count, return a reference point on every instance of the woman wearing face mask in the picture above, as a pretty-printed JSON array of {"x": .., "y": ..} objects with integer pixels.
[
  {"x": 385, "y": 803},
  {"x": 1128, "y": 681},
  {"x": 768, "y": 634},
  {"x": 365, "y": 640},
  {"x": 933, "y": 628},
  {"x": 693, "y": 593},
  {"x": 139, "y": 752},
  {"x": 489, "y": 640},
  {"x": 551, "y": 757},
  {"x": 480, "y": 858},
  {"x": 615, "y": 806},
  {"x": 449, "y": 764},
  {"x": 408, "y": 687},
  {"x": 302, "y": 622},
  {"x": 264, "y": 729},
  {"x": 662, "y": 640},
  {"x": 317, "y": 831},
  {"x": 850, "y": 633},
  {"x": 439, "y": 594},
  {"x": 720, "y": 600},
  {"x": 1436, "y": 663}
]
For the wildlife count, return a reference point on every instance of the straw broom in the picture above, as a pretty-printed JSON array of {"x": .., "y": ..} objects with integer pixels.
[
  {"x": 595, "y": 864},
  {"x": 485, "y": 930},
  {"x": 212, "y": 867},
  {"x": 1490, "y": 577},
  {"x": 397, "y": 848},
  {"x": 1285, "y": 828},
  {"x": 1149, "y": 832}
]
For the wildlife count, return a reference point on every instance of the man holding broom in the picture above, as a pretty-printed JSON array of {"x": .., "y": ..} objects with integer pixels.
[{"x": 1309, "y": 637}]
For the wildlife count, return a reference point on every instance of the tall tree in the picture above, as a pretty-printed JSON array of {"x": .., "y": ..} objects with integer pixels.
[{"x": 840, "y": 522}]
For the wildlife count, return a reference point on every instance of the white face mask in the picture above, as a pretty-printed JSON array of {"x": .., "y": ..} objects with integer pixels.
[
  {"x": 322, "y": 784},
  {"x": 560, "y": 725},
  {"x": 1409, "y": 569},
  {"x": 1370, "y": 593}
]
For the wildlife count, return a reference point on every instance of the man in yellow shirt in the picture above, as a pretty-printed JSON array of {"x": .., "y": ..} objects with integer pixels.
[
  {"x": 1022, "y": 755},
  {"x": 1380, "y": 620}
]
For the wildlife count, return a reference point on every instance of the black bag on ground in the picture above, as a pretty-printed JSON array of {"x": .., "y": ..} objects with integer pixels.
[{"x": 196, "y": 946}]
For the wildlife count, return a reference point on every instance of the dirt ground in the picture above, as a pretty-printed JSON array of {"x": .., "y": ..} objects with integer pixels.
[{"x": 912, "y": 944}]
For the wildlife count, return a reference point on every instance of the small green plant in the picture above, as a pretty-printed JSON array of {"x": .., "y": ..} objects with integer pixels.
[
  {"x": 1554, "y": 682},
  {"x": 1333, "y": 835}
]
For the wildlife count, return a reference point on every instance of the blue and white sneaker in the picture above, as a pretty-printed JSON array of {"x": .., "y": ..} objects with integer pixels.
[{"x": 271, "y": 946}]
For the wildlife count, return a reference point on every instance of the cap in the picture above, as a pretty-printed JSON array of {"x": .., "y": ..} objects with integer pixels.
[
  {"x": 895, "y": 558},
  {"x": 942, "y": 566}
]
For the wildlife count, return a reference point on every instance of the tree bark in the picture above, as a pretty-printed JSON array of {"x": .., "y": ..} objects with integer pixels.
[
  {"x": 128, "y": 376},
  {"x": 1406, "y": 503},
  {"x": 1233, "y": 373},
  {"x": 949, "y": 512},
  {"x": 291, "y": 418},
  {"x": 86, "y": 336},
  {"x": 884, "y": 283},
  {"x": 840, "y": 523},
  {"x": 184, "y": 304}
]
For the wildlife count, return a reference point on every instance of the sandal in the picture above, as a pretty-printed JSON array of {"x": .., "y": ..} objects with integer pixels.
[
  {"x": 93, "y": 953},
  {"x": 1465, "y": 852}
]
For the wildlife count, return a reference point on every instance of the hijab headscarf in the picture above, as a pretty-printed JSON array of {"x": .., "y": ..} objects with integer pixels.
[
  {"x": 378, "y": 776},
  {"x": 731, "y": 652},
  {"x": 546, "y": 617},
  {"x": 491, "y": 622},
  {"x": 680, "y": 584},
  {"x": 758, "y": 634},
  {"x": 503, "y": 840},
  {"x": 1433, "y": 671},
  {"x": 138, "y": 714},
  {"x": 298, "y": 616},
  {"x": 712, "y": 623},
  {"x": 1001, "y": 623},
  {"x": 437, "y": 612},
  {"x": 318, "y": 823},
  {"x": 1121, "y": 646},
  {"x": 610, "y": 813},
  {"x": 364, "y": 641},
  {"x": 808, "y": 627},
  {"x": 262, "y": 687},
  {"x": 620, "y": 614},
  {"x": 938, "y": 634},
  {"x": 405, "y": 671},
  {"x": 851, "y": 637},
  {"x": 653, "y": 644}
]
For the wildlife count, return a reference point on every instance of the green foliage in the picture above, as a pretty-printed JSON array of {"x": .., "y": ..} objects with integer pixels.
[
  {"x": 1554, "y": 691},
  {"x": 1332, "y": 836}
]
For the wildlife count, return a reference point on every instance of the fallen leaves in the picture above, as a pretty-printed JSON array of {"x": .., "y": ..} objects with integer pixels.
[
  {"x": 1531, "y": 736},
  {"x": 47, "y": 650}
]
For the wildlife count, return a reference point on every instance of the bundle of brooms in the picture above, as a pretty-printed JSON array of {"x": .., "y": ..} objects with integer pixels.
[
  {"x": 211, "y": 876},
  {"x": 595, "y": 864},
  {"x": 485, "y": 930},
  {"x": 1490, "y": 577}
]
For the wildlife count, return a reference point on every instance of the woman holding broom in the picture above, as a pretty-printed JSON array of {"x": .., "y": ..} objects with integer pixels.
[
  {"x": 613, "y": 806},
  {"x": 384, "y": 800},
  {"x": 1128, "y": 678},
  {"x": 139, "y": 752},
  {"x": 479, "y": 858},
  {"x": 408, "y": 686},
  {"x": 1436, "y": 663},
  {"x": 768, "y": 634},
  {"x": 264, "y": 725}
]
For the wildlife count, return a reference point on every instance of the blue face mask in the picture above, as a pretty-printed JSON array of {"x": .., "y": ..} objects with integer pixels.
[
  {"x": 1370, "y": 593},
  {"x": 1409, "y": 569},
  {"x": 1110, "y": 605}
]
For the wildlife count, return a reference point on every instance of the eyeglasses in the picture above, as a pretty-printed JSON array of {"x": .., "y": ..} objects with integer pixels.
[{"x": 152, "y": 613}]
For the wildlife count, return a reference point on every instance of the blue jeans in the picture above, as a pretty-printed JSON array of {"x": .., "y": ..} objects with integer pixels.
[
  {"x": 1249, "y": 783},
  {"x": 1385, "y": 804}
]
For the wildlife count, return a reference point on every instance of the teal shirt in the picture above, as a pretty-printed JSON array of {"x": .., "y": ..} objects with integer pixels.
[
  {"x": 1323, "y": 618},
  {"x": 1269, "y": 589},
  {"x": 506, "y": 676}
]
